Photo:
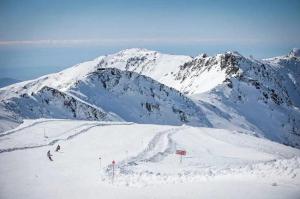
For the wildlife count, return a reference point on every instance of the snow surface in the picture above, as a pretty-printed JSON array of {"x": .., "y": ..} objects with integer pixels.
[
  {"x": 260, "y": 97},
  {"x": 102, "y": 94},
  {"x": 219, "y": 163},
  {"x": 166, "y": 68},
  {"x": 233, "y": 115}
]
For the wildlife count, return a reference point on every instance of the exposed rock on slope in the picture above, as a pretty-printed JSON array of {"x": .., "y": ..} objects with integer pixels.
[
  {"x": 100, "y": 94},
  {"x": 52, "y": 103},
  {"x": 137, "y": 98},
  {"x": 259, "y": 97}
]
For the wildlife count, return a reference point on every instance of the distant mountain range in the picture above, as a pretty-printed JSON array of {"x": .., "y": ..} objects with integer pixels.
[{"x": 229, "y": 91}]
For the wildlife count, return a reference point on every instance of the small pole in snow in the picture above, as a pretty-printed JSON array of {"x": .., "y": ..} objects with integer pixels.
[
  {"x": 100, "y": 162},
  {"x": 45, "y": 134},
  {"x": 113, "y": 174}
]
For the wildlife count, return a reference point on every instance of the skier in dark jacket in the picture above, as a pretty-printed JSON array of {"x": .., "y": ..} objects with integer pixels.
[
  {"x": 57, "y": 148},
  {"x": 49, "y": 155}
]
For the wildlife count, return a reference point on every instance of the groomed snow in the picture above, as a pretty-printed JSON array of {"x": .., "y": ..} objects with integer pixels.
[{"x": 219, "y": 163}]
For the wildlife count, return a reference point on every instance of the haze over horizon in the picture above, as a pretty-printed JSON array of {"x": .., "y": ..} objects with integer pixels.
[{"x": 40, "y": 37}]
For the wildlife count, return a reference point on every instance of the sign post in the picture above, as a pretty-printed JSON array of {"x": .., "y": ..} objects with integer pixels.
[
  {"x": 113, "y": 174},
  {"x": 181, "y": 153}
]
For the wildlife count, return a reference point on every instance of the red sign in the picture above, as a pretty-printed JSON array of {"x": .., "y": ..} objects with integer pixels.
[
  {"x": 113, "y": 162},
  {"x": 180, "y": 152}
]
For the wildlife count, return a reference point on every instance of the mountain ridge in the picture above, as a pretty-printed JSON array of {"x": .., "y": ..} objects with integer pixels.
[{"x": 244, "y": 88}]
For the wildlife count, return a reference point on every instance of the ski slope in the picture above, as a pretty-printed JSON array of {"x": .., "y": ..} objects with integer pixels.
[{"x": 219, "y": 163}]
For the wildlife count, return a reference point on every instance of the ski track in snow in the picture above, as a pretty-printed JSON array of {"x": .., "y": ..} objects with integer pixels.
[
  {"x": 162, "y": 145},
  {"x": 143, "y": 169},
  {"x": 157, "y": 149},
  {"x": 30, "y": 125},
  {"x": 52, "y": 142}
]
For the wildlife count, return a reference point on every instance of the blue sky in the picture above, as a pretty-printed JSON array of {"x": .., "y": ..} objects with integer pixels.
[{"x": 37, "y": 37}]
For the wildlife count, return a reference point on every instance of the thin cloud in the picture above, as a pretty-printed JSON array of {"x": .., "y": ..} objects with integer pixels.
[{"x": 120, "y": 41}]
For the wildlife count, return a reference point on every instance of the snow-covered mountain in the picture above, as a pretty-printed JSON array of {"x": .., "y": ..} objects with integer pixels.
[
  {"x": 93, "y": 93},
  {"x": 137, "y": 98},
  {"x": 186, "y": 74},
  {"x": 288, "y": 67},
  {"x": 52, "y": 103},
  {"x": 126, "y": 115},
  {"x": 161, "y": 67},
  {"x": 257, "y": 97},
  {"x": 228, "y": 90},
  {"x": 260, "y": 97}
]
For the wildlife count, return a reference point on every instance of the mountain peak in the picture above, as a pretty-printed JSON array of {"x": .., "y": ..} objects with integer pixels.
[
  {"x": 295, "y": 52},
  {"x": 234, "y": 53},
  {"x": 135, "y": 51}
]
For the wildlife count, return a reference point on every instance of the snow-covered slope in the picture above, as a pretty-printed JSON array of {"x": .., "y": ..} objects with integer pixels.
[
  {"x": 218, "y": 164},
  {"x": 137, "y": 98},
  {"x": 186, "y": 74},
  {"x": 51, "y": 103},
  {"x": 158, "y": 66},
  {"x": 226, "y": 111},
  {"x": 61, "y": 80},
  {"x": 289, "y": 68},
  {"x": 88, "y": 92},
  {"x": 13, "y": 108},
  {"x": 257, "y": 97}
]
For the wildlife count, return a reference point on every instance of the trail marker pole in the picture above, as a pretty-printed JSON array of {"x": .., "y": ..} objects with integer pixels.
[
  {"x": 113, "y": 174},
  {"x": 45, "y": 136}
]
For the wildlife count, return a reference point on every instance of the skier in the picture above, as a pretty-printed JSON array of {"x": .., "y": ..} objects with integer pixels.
[
  {"x": 57, "y": 148},
  {"x": 49, "y": 155}
]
